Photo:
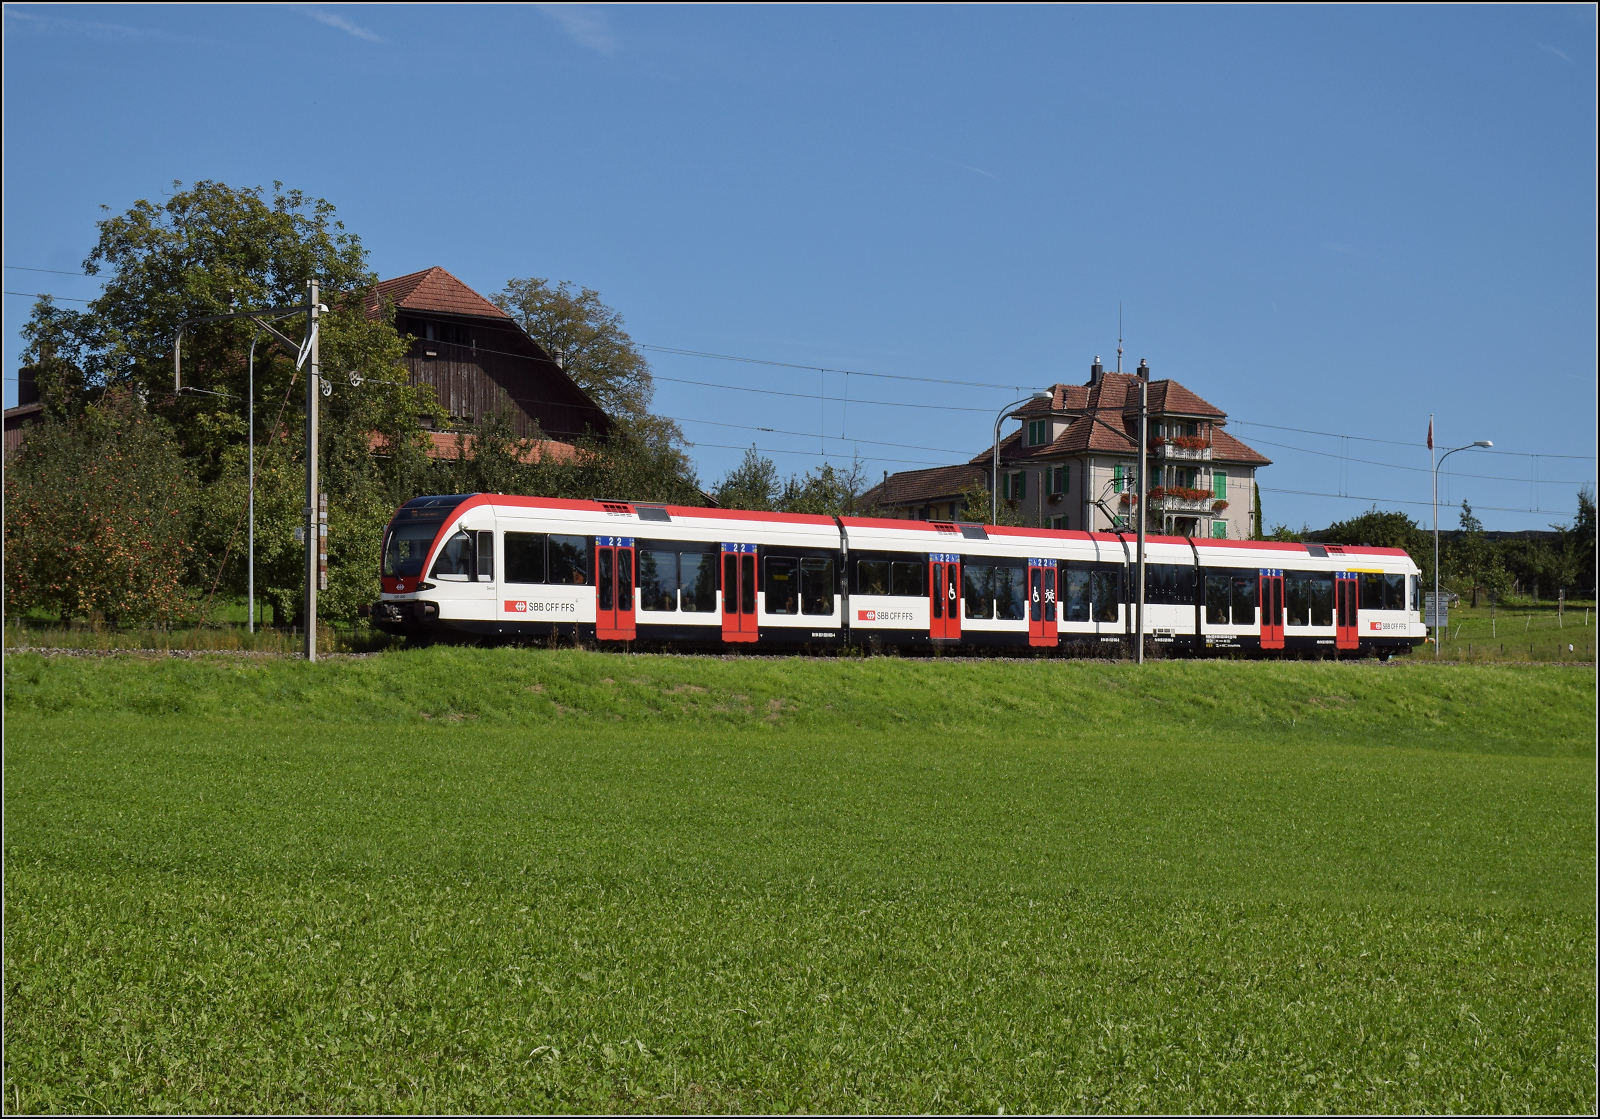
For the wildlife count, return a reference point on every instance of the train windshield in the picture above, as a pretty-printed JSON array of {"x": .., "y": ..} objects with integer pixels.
[
  {"x": 415, "y": 525},
  {"x": 407, "y": 547}
]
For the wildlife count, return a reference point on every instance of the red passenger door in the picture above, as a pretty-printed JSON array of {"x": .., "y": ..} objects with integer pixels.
[
  {"x": 1271, "y": 598},
  {"x": 1042, "y": 602},
  {"x": 613, "y": 584},
  {"x": 1345, "y": 604},
  {"x": 944, "y": 595},
  {"x": 739, "y": 592}
]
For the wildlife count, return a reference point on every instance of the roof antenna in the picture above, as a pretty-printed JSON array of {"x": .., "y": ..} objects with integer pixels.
[{"x": 1119, "y": 336}]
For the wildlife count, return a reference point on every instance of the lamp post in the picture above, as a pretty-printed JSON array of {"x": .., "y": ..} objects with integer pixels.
[
  {"x": 994, "y": 488},
  {"x": 1438, "y": 463}
]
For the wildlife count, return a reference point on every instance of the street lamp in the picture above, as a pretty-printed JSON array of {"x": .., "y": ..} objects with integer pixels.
[
  {"x": 1438, "y": 463},
  {"x": 994, "y": 488}
]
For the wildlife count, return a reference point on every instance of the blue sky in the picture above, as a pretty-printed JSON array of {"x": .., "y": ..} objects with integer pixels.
[{"x": 1330, "y": 220}]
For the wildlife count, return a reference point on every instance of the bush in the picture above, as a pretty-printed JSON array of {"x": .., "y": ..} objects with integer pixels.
[{"x": 97, "y": 516}]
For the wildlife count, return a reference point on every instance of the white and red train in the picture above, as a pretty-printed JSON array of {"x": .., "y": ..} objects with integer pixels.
[{"x": 491, "y": 565}]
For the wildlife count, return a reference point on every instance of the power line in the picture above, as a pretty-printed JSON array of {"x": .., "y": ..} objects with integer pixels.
[
  {"x": 828, "y": 368},
  {"x": 46, "y": 295},
  {"x": 927, "y": 380},
  {"x": 52, "y": 271},
  {"x": 816, "y": 435},
  {"x": 1406, "y": 501},
  {"x": 1423, "y": 469},
  {"x": 991, "y": 385},
  {"x": 815, "y": 454},
  {"x": 819, "y": 396}
]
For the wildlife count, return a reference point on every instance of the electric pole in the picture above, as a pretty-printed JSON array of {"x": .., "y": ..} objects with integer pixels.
[
  {"x": 316, "y": 540},
  {"x": 1139, "y": 509}
]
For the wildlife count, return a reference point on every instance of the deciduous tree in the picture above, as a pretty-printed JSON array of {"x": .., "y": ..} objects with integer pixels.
[{"x": 98, "y": 506}]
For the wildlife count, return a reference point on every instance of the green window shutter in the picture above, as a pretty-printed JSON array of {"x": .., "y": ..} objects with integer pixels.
[
  {"x": 1022, "y": 485},
  {"x": 1066, "y": 477},
  {"x": 1116, "y": 478},
  {"x": 1219, "y": 479},
  {"x": 1219, "y": 530}
]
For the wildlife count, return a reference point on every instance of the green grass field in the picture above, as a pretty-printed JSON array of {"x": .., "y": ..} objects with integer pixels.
[
  {"x": 493, "y": 880},
  {"x": 1520, "y": 631}
]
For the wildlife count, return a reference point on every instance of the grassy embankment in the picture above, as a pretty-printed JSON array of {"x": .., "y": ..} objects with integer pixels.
[{"x": 508, "y": 880}]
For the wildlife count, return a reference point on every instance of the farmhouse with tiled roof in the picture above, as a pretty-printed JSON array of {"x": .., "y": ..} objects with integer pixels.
[
  {"x": 1073, "y": 462},
  {"x": 479, "y": 360}
]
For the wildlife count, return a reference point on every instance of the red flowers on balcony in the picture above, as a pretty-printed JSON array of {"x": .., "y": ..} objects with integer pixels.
[{"x": 1182, "y": 493}]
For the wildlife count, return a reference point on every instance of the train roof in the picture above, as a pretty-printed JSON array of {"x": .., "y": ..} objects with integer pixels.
[{"x": 933, "y": 529}]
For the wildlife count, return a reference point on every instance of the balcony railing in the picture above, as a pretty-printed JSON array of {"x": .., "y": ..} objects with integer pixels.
[
  {"x": 1182, "y": 448},
  {"x": 1181, "y": 499}
]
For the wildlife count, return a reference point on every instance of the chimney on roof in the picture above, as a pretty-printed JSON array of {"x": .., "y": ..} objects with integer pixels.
[
  {"x": 1144, "y": 370},
  {"x": 1096, "y": 370}
]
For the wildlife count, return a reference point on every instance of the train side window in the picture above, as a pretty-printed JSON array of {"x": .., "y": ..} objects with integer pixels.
[
  {"x": 525, "y": 557},
  {"x": 1394, "y": 597},
  {"x": 1075, "y": 595},
  {"x": 1217, "y": 600},
  {"x": 1011, "y": 593},
  {"x": 906, "y": 579},
  {"x": 816, "y": 586},
  {"x": 1103, "y": 593},
  {"x": 872, "y": 576},
  {"x": 783, "y": 594},
  {"x": 1371, "y": 590},
  {"x": 697, "y": 580},
  {"x": 569, "y": 560},
  {"x": 1415, "y": 601},
  {"x": 1161, "y": 584},
  {"x": 658, "y": 580},
  {"x": 1243, "y": 599},
  {"x": 1297, "y": 591},
  {"x": 1321, "y": 591},
  {"x": 486, "y": 557},
  {"x": 977, "y": 589},
  {"x": 455, "y": 560}
]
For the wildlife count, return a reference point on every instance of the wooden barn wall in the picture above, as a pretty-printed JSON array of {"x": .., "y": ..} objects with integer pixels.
[{"x": 472, "y": 382}]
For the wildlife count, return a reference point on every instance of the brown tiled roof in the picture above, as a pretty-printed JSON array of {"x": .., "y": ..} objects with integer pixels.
[
  {"x": 1225, "y": 448},
  {"x": 1104, "y": 418},
  {"x": 1120, "y": 391},
  {"x": 433, "y": 289},
  {"x": 925, "y": 485},
  {"x": 1172, "y": 399}
]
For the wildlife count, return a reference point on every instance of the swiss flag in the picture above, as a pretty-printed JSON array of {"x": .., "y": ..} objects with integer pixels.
[{"x": 1430, "y": 433}]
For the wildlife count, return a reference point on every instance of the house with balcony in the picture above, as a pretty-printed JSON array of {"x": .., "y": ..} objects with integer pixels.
[{"x": 1073, "y": 464}]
